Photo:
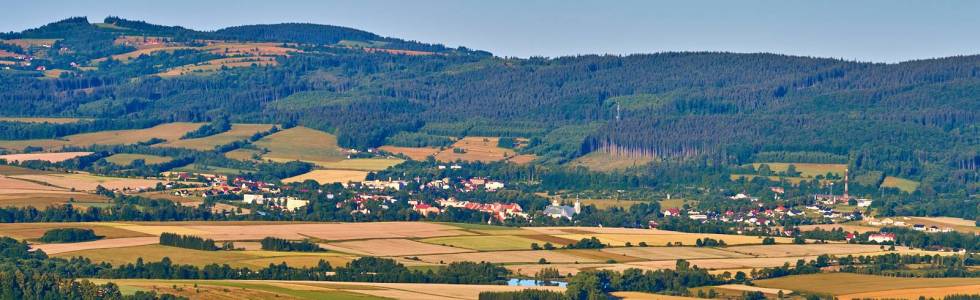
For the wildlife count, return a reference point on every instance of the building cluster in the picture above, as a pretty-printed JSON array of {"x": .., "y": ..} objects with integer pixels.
[
  {"x": 499, "y": 211},
  {"x": 900, "y": 223},
  {"x": 762, "y": 215},
  {"x": 219, "y": 185},
  {"x": 287, "y": 203},
  {"x": 464, "y": 185},
  {"x": 364, "y": 202}
]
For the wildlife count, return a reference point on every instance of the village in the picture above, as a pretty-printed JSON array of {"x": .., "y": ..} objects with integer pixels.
[{"x": 430, "y": 197}]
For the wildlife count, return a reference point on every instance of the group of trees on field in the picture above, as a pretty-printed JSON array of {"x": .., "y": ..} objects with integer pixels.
[{"x": 277, "y": 244}]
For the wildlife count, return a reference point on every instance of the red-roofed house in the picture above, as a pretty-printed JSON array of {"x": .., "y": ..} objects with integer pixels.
[{"x": 882, "y": 237}]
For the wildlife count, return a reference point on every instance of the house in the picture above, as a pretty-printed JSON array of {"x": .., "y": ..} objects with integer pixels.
[
  {"x": 653, "y": 224},
  {"x": 381, "y": 185},
  {"x": 562, "y": 211},
  {"x": 698, "y": 217},
  {"x": 777, "y": 190},
  {"x": 253, "y": 199},
  {"x": 882, "y": 238},
  {"x": 795, "y": 212},
  {"x": 864, "y": 202},
  {"x": 672, "y": 212},
  {"x": 293, "y": 204},
  {"x": 850, "y": 236},
  {"x": 493, "y": 186},
  {"x": 426, "y": 209},
  {"x": 919, "y": 227},
  {"x": 741, "y": 196}
]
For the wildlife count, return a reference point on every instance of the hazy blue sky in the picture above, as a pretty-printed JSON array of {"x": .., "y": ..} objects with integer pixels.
[{"x": 881, "y": 31}]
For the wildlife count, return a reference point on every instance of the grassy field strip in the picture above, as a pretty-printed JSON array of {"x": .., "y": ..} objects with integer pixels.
[
  {"x": 476, "y": 148},
  {"x": 661, "y": 240},
  {"x": 97, "y": 244},
  {"x": 848, "y": 283},
  {"x": 125, "y": 159},
  {"x": 393, "y": 247},
  {"x": 266, "y": 289},
  {"x": 674, "y": 253},
  {"x": 793, "y": 180},
  {"x": 416, "y": 153},
  {"x": 807, "y": 250},
  {"x": 647, "y": 296},
  {"x": 241, "y": 290},
  {"x": 155, "y": 230},
  {"x": 363, "y": 164},
  {"x": 53, "y": 120},
  {"x": 746, "y": 288},
  {"x": 906, "y": 185},
  {"x": 957, "y": 224},
  {"x": 485, "y": 243},
  {"x": 123, "y": 254},
  {"x": 806, "y": 169},
  {"x": 934, "y": 292},
  {"x": 607, "y": 162},
  {"x": 301, "y": 143},
  {"x": 88, "y": 182},
  {"x": 719, "y": 263},
  {"x": 513, "y": 256}
]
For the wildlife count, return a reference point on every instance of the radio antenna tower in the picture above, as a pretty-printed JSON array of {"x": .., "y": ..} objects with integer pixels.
[{"x": 617, "y": 112}]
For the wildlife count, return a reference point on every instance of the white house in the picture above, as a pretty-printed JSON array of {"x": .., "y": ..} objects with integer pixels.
[
  {"x": 882, "y": 237},
  {"x": 253, "y": 199}
]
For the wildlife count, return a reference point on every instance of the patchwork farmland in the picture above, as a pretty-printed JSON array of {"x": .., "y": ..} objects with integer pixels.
[{"x": 424, "y": 244}]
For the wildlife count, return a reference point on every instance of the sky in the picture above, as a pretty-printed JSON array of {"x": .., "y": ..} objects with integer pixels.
[{"x": 875, "y": 30}]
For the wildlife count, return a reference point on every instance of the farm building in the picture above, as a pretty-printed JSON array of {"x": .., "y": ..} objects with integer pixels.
[
  {"x": 882, "y": 238},
  {"x": 556, "y": 210}
]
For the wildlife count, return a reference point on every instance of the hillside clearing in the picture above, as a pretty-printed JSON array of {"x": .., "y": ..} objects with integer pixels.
[
  {"x": 52, "y": 120},
  {"x": 236, "y": 133},
  {"x": 168, "y": 131},
  {"x": 125, "y": 159},
  {"x": 906, "y": 185},
  {"x": 808, "y": 170},
  {"x": 607, "y": 162},
  {"x": 415, "y": 153},
  {"x": 303, "y": 144}
]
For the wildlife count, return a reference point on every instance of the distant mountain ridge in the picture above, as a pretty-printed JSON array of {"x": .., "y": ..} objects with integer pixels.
[{"x": 916, "y": 119}]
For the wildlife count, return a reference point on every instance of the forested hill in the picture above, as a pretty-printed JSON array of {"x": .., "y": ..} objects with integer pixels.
[{"x": 916, "y": 119}]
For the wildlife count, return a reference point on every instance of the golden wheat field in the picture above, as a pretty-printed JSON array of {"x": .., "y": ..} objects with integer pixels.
[
  {"x": 859, "y": 285},
  {"x": 329, "y": 176},
  {"x": 476, "y": 149},
  {"x": 48, "y": 157}
]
